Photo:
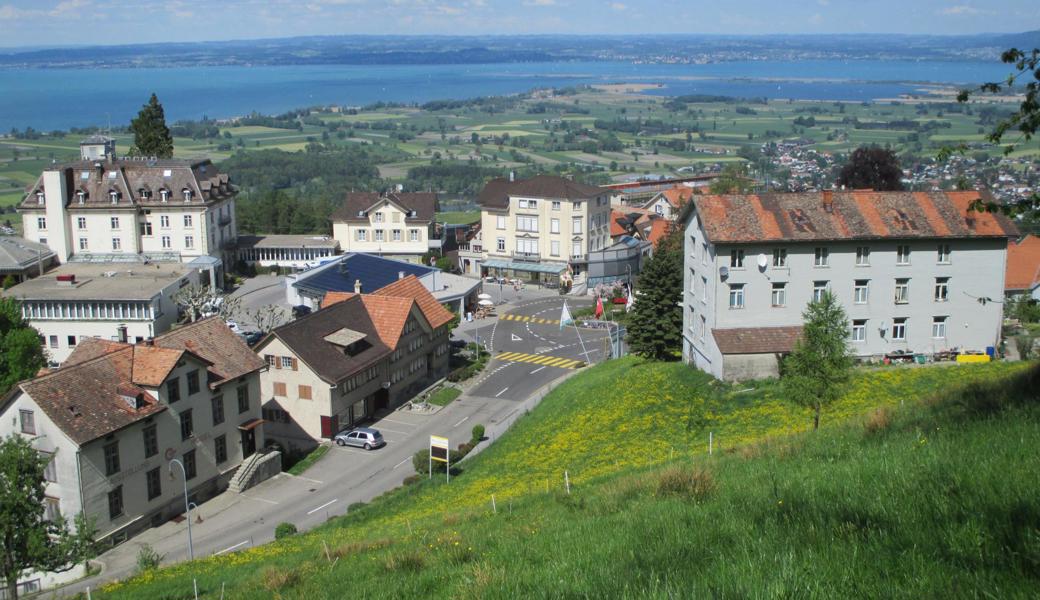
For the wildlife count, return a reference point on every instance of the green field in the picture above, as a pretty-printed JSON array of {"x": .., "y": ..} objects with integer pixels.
[
  {"x": 922, "y": 483},
  {"x": 458, "y": 218}
]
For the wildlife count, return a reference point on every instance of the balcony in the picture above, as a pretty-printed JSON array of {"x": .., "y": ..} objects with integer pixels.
[
  {"x": 224, "y": 220},
  {"x": 527, "y": 256},
  {"x": 579, "y": 258}
]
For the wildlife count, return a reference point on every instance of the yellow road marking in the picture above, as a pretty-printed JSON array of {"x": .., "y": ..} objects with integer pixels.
[{"x": 540, "y": 359}]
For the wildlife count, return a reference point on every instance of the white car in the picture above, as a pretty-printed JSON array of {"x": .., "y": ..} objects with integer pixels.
[{"x": 233, "y": 326}]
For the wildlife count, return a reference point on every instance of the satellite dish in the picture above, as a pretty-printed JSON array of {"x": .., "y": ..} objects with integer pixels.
[
  {"x": 883, "y": 326},
  {"x": 762, "y": 261},
  {"x": 723, "y": 272}
]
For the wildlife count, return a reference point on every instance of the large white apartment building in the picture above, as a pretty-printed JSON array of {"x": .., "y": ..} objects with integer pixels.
[
  {"x": 542, "y": 226},
  {"x": 395, "y": 225},
  {"x": 108, "y": 209},
  {"x": 915, "y": 272},
  {"x": 112, "y": 420}
]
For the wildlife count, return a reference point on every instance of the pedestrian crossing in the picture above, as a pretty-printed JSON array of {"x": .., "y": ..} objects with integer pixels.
[
  {"x": 529, "y": 319},
  {"x": 541, "y": 359}
]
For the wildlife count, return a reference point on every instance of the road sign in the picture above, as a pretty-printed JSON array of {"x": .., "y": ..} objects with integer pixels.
[{"x": 439, "y": 452}]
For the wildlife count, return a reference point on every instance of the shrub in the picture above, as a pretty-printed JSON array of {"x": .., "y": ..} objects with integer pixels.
[
  {"x": 148, "y": 558},
  {"x": 478, "y": 434},
  {"x": 284, "y": 530},
  {"x": 878, "y": 421},
  {"x": 421, "y": 461},
  {"x": 275, "y": 579},
  {"x": 405, "y": 561},
  {"x": 465, "y": 448},
  {"x": 411, "y": 480},
  {"x": 1024, "y": 345},
  {"x": 686, "y": 481}
]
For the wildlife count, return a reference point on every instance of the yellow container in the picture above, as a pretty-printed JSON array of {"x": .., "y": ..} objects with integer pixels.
[{"x": 972, "y": 358}]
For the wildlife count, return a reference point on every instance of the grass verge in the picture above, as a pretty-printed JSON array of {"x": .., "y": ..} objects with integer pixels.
[
  {"x": 444, "y": 396},
  {"x": 307, "y": 461}
]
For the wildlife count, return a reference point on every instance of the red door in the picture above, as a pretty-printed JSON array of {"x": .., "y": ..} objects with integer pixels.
[{"x": 329, "y": 426}]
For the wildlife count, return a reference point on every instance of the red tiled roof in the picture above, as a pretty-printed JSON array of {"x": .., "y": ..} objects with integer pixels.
[
  {"x": 756, "y": 340},
  {"x": 854, "y": 214},
  {"x": 657, "y": 231},
  {"x": 151, "y": 365},
  {"x": 411, "y": 287},
  {"x": 1023, "y": 264},
  {"x": 89, "y": 348},
  {"x": 616, "y": 228},
  {"x": 331, "y": 298},
  {"x": 388, "y": 314},
  {"x": 676, "y": 196},
  {"x": 211, "y": 340}
]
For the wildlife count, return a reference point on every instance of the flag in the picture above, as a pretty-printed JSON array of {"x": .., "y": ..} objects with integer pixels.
[
  {"x": 631, "y": 300},
  {"x": 599, "y": 306},
  {"x": 565, "y": 316}
]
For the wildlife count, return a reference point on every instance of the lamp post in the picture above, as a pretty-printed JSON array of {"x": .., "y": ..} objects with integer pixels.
[{"x": 187, "y": 506}]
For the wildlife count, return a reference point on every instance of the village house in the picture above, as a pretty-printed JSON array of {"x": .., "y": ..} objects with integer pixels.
[
  {"x": 359, "y": 354},
  {"x": 1023, "y": 268},
  {"x": 916, "y": 273},
  {"x": 394, "y": 224}
]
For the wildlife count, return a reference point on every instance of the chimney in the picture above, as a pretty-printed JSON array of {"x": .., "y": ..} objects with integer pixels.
[
  {"x": 400, "y": 274},
  {"x": 99, "y": 170},
  {"x": 121, "y": 333},
  {"x": 969, "y": 219},
  {"x": 357, "y": 286},
  {"x": 828, "y": 201}
]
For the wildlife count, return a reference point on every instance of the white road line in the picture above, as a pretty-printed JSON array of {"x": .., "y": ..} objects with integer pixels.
[
  {"x": 402, "y": 462},
  {"x": 398, "y": 422},
  {"x": 261, "y": 499},
  {"x": 393, "y": 431},
  {"x": 329, "y": 503},
  {"x": 229, "y": 549},
  {"x": 502, "y": 392},
  {"x": 536, "y": 370},
  {"x": 464, "y": 419}
]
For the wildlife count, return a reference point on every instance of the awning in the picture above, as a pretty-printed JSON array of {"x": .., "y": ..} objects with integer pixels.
[
  {"x": 250, "y": 424},
  {"x": 525, "y": 266}
]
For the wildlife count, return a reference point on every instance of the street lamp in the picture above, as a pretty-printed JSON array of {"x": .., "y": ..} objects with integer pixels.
[{"x": 187, "y": 506}]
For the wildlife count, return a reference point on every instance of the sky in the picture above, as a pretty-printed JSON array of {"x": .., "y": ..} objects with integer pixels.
[{"x": 103, "y": 22}]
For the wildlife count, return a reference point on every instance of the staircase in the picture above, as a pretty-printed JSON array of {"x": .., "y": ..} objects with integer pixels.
[{"x": 241, "y": 480}]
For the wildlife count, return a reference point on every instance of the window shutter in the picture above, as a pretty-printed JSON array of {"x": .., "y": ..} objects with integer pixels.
[
  {"x": 278, "y": 362},
  {"x": 295, "y": 364}
]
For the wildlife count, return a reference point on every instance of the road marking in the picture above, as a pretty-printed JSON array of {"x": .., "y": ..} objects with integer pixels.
[
  {"x": 464, "y": 419},
  {"x": 230, "y": 548},
  {"x": 516, "y": 338},
  {"x": 261, "y": 499},
  {"x": 308, "y": 479},
  {"x": 329, "y": 503},
  {"x": 398, "y": 422},
  {"x": 402, "y": 462},
  {"x": 536, "y": 370},
  {"x": 541, "y": 359},
  {"x": 381, "y": 428},
  {"x": 502, "y": 392}
]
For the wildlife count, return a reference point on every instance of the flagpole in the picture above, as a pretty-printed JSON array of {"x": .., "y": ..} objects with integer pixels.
[{"x": 578, "y": 333}]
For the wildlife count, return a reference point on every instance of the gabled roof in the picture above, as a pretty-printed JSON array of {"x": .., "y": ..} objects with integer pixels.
[
  {"x": 388, "y": 315},
  {"x": 210, "y": 339},
  {"x": 848, "y": 215},
  {"x": 423, "y": 203},
  {"x": 756, "y": 340},
  {"x": 1023, "y": 264},
  {"x": 656, "y": 231},
  {"x": 89, "y": 348},
  {"x": 496, "y": 192},
  {"x": 411, "y": 287},
  {"x": 19, "y": 254},
  {"x": 616, "y": 228},
  {"x": 676, "y": 196},
  {"x": 151, "y": 365}
]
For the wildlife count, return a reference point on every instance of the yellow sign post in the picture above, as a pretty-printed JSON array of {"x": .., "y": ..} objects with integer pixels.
[{"x": 439, "y": 451}]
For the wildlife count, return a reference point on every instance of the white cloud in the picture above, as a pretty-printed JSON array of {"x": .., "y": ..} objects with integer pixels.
[
  {"x": 823, "y": 2},
  {"x": 539, "y": 2},
  {"x": 959, "y": 10},
  {"x": 68, "y": 7},
  {"x": 618, "y": 6}
]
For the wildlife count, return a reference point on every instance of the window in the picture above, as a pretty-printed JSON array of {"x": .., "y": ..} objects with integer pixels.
[
  {"x": 117, "y": 244},
  {"x": 166, "y": 242},
  {"x": 859, "y": 330},
  {"x": 146, "y": 228},
  {"x": 939, "y": 327},
  {"x": 501, "y": 245},
  {"x": 187, "y": 220},
  {"x": 53, "y": 341},
  {"x": 115, "y": 502},
  {"x": 899, "y": 329},
  {"x": 41, "y": 222},
  {"x": 902, "y": 291},
  {"x": 378, "y": 217},
  {"x": 821, "y": 256},
  {"x": 243, "y": 397},
  {"x": 362, "y": 235},
  {"x": 413, "y": 235},
  {"x": 902, "y": 255},
  {"x": 189, "y": 242},
  {"x": 379, "y": 235},
  {"x": 818, "y": 288},
  {"x": 50, "y": 471},
  {"x": 704, "y": 326},
  {"x": 554, "y": 226},
  {"x": 556, "y": 205},
  {"x": 779, "y": 297},
  {"x": 51, "y": 512},
  {"x": 527, "y": 203},
  {"x": 154, "y": 483},
  {"x": 151, "y": 441},
  {"x": 27, "y": 421},
  {"x": 164, "y": 221},
  {"x": 187, "y": 426},
  {"x": 173, "y": 390},
  {"x": 500, "y": 222},
  {"x": 942, "y": 289},
  {"x": 81, "y": 222},
  {"x": 82, "y": 243},
  {"x": 189, "y": 465},
  {"x": 693, "y": 281},
  {"x": 272, "y": 361},
  {"x": 704, "y": 253},
  {"x": 193, "y": 382},
  {"x": 863, "y": 256},
  {"x": 861, "y": 291},
  {"x": 396, "y": 235},
  {"x": 779, "y": 257},
  {"x": 704, "y": 289},
  {"x": 220, "y": 448},
  {"x": 279, "y": 389},
  {"x": 115, "y": 222},
  {"x": 736, "y": 259},
  {"x": 554, "y": 247},
  {"x": 576, "y": 250},
  {"x": 576, "y": 225},
  {"x": 736, "y": 295},
  {"x": 287, "y": 362},
  {"x": 526, "y": 246},
  {"x": 111, "y": 451},
  {"x": 217, "y": 405},
  {"x": 527, "y": 223},
  {"x": 943, "y": 254}
]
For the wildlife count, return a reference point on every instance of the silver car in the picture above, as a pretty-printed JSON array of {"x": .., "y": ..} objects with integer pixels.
[{"x": 362, "y": 437}]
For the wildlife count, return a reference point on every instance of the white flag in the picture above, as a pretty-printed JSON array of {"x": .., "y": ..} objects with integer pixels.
[
  {"x": 631, "y": 300},
  {"x": 565, "y": 316}
]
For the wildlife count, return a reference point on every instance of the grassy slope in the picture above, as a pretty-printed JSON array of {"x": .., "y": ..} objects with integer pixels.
[{"x": 924, "y": 508}]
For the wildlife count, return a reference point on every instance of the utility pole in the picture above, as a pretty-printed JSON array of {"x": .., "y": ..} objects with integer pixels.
[{"x": 187, "y": 506}]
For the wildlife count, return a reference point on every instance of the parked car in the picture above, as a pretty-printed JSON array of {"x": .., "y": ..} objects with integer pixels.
[
  {"x": 252, "y": 337},
  {"x": 361, "y": 437},
  {"x": 233, "y": 326},
  {"x": 300, "y": 310}
]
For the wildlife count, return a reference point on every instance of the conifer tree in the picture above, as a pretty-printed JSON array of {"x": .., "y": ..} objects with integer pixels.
[
  {"x": 151, "y": 135},
  {"x": 656, "y": 325}
]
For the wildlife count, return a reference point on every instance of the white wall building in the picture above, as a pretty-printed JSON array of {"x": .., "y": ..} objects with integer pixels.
[
  {"x": 915, "y": 272},
  {"x": 128, "y": 302},
  {"x": 394, "y": 225},
  {"x": 287, "y": 251}
]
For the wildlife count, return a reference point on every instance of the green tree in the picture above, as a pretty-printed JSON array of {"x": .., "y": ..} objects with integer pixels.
[
  {"x": 656, "y": 324},
  {"x": 21, "y": 355},
  {"x": 872, "y": 167},
  {"x": 28, "y": 540},
  {"x": 815, "y": 373},
  {"x": 733, "y": 180},
  {"x": 151, "y": 136}
]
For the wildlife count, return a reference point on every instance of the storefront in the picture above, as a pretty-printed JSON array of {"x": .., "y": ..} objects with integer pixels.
[{"x": 533, "y": 272}]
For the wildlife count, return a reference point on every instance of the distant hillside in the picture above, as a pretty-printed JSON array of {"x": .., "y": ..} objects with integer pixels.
[{"x": 923, "y": 483}]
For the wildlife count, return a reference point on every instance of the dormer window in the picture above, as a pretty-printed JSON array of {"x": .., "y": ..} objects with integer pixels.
[
  {"x": 164, "y": 194},
  {"x": 81, "y": 196},
  {"x": 39, "y": 196},
  {"x": 114, "y": 195},
  {"x": 187, "y": 194}
]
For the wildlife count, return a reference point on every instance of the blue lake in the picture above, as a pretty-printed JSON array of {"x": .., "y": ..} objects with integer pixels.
[{"x": 61, "y": 98}]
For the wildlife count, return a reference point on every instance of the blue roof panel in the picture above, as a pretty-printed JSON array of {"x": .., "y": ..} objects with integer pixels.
[{"x": 375, "y": 272}]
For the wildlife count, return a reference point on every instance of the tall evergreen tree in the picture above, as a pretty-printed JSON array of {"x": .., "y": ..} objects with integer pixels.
[
  {"x": 21, "y": 355},
  {"x": 815, "y": 373},
  {"x": 656, "y": 324},
  {"x": 151, "y": 136}
]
